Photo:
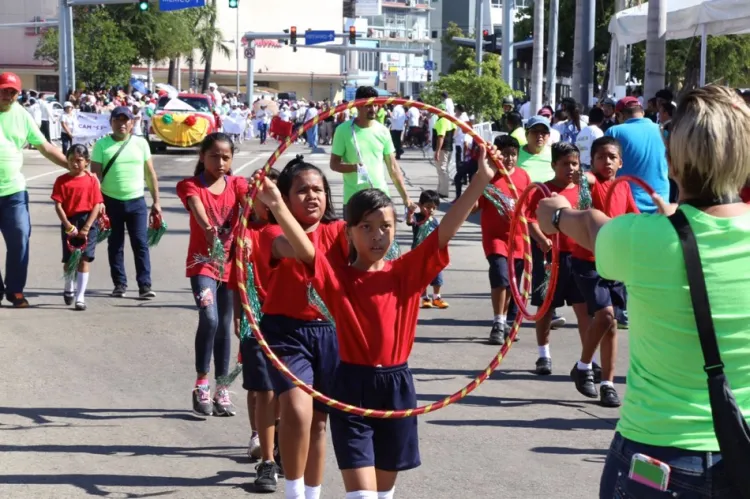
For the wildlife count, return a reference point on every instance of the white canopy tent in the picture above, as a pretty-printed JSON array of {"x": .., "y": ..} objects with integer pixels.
[{"x": 685, "y": 19}]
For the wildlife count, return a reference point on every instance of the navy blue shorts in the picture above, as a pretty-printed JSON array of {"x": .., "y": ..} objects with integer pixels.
[
  {"x": 438, "y": 281},
  {"x": 597, "y": 292},
  {"x": 566, "y": 291},
  {"x": 79, "y": 220},
  {"x": 309, "y": 349},
  {"x": 255, "y": 376},
  {"x": 499, "y": 277},
  {"x": 360, "y": 442}
]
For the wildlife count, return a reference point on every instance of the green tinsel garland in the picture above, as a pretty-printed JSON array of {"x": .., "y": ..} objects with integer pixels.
[
  {"x": 252, "y": 295},
  {"x": 503, "y": 203},
  {"x": 71, "y": 266},
  {"x": 314, "y": 298},
  {"x": 425, "y": 230},
  {"x": 584, "y": 192},
  {"x": 394, "y": 252},
  {"x": 155, "y": 234}
]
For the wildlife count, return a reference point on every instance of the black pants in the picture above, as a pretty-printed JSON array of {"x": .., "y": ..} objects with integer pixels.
[
  {"x": 396, "y": 137},
  {"x": 67, "y": 141},
  {"x": 463, "y": 170},
  {"x": 45, "y": 129}
]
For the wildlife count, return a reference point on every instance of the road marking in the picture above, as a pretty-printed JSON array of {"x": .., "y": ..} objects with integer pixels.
[
  {"x": 184, "y": 160},
  {"x": 60, "y": 171},
  {"x": 238, "y": 170}
]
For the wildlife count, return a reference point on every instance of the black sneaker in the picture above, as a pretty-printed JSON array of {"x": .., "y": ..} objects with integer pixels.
[
  {"x": 497, "y": 334},
  {"x": 508, "y": 328},
  {"x": 68, "y": 296},
  {"x": 597, "y": 372},
  {"x": 543, "y": 366},
  {"x": 584, "y": 380},
  {"x": 119, "y": 291},
  {"x": 608, "y": 396},
  {"x": 145, "y": 293},
  {"x": 267, "y": 477}
]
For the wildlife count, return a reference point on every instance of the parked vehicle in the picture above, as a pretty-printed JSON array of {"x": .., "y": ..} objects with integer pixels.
[{"x": 184, "y": 123}]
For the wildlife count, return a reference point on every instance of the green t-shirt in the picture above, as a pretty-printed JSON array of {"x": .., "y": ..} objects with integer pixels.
[
  {"x": 375, "y": 144},
  {"x": 447, "y": 129},
  {"x": 538, "y": 166},
  {"x": 17, "y": 128},
  {"x": 666, "y": 401},
  {"x": 381, "y": 116},
  {"x": 520, "y": 135},
  {"x": 126, "y": 178}
]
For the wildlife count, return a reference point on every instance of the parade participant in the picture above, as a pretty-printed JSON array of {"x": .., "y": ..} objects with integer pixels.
[
  {"x": 361, "y": 147},
  {"x": 17, "y": 128},
  {"x": 374, "y": 304},
  {"x": 667, "y": 412},
  {"x": 495, "y": 227},
  {"x": 297, "y": 331},
  {"x": 213, "y": 196},
  {"x": 429, "y": 201},
  {"x": 601, "y": 294},
  {"x": 78, "y": 201}
]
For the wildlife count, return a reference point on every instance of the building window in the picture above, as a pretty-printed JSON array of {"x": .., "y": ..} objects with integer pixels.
[
  {"x": 497, "y": 3},
  {"x": 434, "y": 33}
]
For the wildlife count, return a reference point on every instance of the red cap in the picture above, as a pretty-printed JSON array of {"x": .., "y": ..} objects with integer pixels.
[
  {"x": 627, "y": 102},
  {"x": 10, "y": 80}
]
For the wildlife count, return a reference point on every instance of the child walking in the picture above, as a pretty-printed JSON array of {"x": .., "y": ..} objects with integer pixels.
[
  {"x": 214, "y": 199},
  {"x": 78, "y": 200},
  {"x": 422, "y": 224},
  {"x": 601, "y": 295},
  {"x": 375, "y": 305},
  {"x": 295, "y": 329}
]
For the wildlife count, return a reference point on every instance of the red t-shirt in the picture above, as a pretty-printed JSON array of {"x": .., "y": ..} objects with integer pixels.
[
  {"x": 571, "y": 194},
  {"x": 77, "y": 194},
  {"x": 223, "y": 211},
  {"x": 495, "y": 227},
  {"x": 745, "y": 194},
  {"x": 376, "y": 312},
  {"x": 261, "y": 266},
  {"x": 622, "y": 202},
  {"x": 286, "y": 291}
]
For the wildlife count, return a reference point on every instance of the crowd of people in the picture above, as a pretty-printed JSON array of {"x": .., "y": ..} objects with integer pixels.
[{"x": 363, "y": 336}]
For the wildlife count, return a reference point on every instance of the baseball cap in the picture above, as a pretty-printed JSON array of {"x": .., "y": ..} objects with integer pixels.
[
  {"x": 609, "y": 102},
  {"x": 121, "y": 111},
  {"x": 67, "y": 104},
  {"x": 10, "y": 80},
  {"x": 537, "y": 120},
  {"x": 627, "y": 102}
]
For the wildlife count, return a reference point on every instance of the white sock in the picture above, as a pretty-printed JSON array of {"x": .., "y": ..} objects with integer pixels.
[
  {"x": 362, "y": 494},
  {"x": 436, "y": 297},
  {"x": 544, "y": 351},
  {"x": 500, "y": 318},
  {"x": 295, "y": 489},
  {"x": 607, "y": 383},
  {"x": 312, "y": 492},
  {"x": 387, "y": 494},
  {"x": 82, "y": 280},
  {"x": 582, "y": 366},
  {"x": 69, "y": 286}
]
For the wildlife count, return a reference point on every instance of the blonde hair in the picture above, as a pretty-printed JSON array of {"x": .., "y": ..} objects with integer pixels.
[{"x": 709, "y": 144}]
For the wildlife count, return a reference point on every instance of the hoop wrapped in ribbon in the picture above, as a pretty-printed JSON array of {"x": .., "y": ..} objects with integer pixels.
[
  {"x": 157, "y": 227},
  {"x": 242, "y": 278},
  {"x": 625, "y": 178},
  {"x": 76, "y": 246},
  {"x": 104, "y": 227}
]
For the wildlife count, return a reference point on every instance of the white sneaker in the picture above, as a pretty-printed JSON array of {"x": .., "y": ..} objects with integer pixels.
[{"x": 253, "y": 448}]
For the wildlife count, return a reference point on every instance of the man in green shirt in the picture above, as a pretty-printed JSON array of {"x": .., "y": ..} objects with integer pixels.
[
  {"x": 514, "y": 123},
  {"x": 123, "y": 163},
  {"x": 536, "y": 156},
  {"x": 442, "y": 144},
  {"x": 361, "y": 147},
  {"x": 17, "y": 128}
]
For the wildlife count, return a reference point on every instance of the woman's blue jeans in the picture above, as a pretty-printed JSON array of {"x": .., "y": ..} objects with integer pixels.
[
  {"x": 215, "y": 302},
  {"x": 15, "y": 226}
]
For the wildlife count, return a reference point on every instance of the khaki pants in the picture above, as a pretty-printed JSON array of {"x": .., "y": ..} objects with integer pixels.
[{"x": 444, "y": 181}]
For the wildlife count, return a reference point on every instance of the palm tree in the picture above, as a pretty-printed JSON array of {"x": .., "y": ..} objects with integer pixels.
[
  {"x": 577, "y": 50},
  {"x": 656, "y": 48},
  {"x": 209, "y": 38},
  {"x": 537, "y": 61}
]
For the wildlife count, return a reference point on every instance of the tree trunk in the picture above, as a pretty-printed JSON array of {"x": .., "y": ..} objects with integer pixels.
[
  {"x": 575, "y": 84},
  {"x": 191, "y": 73},
  {"x": 170, "y": 73},
  {"x": 656, "y": 48},
  {"x": 537, "y": 61},
  {"x": 208, "y": 51}
]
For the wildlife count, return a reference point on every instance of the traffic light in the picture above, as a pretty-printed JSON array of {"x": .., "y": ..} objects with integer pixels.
[
  {"x": 352, "y": 35},
  {"x": 143, "y": 5},
  {"x": 233, "y": 4},
  {"x": 490, "y": 39},
  {"x": 293, "y": 37}
]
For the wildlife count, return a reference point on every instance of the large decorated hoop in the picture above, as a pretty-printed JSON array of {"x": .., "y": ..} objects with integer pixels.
[
  {"x": 242, "y": 272},
  {"x": 625, "y": 178}
]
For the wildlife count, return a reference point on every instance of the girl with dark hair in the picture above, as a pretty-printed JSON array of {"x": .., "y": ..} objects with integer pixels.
[
  {"x": 295, "y": 329},
  {"x": 214, "y": 199},
  {"x": 375, "y": 305},
  {"x": 572, "y": 126}
]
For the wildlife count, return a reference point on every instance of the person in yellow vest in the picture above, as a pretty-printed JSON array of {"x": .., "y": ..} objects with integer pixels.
[{"x": 442, "y": 144}]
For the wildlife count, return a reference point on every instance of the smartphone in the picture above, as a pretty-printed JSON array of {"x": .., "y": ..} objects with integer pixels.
[{"x": 649, "y": 472}]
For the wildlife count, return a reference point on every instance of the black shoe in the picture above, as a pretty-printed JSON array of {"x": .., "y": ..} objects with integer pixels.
[
  {"x": 543, "y": 366},
  {"x": 584, "y": 380},
  {"x": 145, "y": 293},
  {"x": 18, "y": 300},
  {"x": 267, "y": 477},
  {"x": 119, "y": 291},
  {"x": 68, "y": 296},
  {"x": 608, "y": 396},
  {"x": 597, "y": 372},
  {"x": 497, "y": 334},
  {"x": 508, "y": 328}
]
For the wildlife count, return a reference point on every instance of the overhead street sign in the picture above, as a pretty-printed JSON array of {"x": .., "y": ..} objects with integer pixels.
[
  {"x": 429, "y": 65},
  {"x": 249, "y": 52},
  {"x": 316, "y": 37},
  {"x": 170, "y": 5}
]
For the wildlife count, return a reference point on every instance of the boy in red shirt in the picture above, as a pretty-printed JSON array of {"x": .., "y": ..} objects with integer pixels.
[
  {"x": 78, "y": 200},
  {"x": 495, "y": 228},
  {"x": 601, "y": 295},
  {"x": 567, "y": 167}
]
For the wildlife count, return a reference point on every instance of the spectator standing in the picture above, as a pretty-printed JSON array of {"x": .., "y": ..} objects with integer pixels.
[
  {"x": 608, "y": 108},
  {"x": 46, "y": 115},
  {"x": 68, "y": 123},
  {"x": 588, "y": 135},
  {"x": 263, "y": 117},
  {"x": 123, "y": 163},
  {"x": 398, "y": 123},
  {"x": 442, "y": 145}
]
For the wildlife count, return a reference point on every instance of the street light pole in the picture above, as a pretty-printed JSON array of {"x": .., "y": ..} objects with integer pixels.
[
  {"x": 478, "y": 35},
  {"x": 237, "y": 48}
]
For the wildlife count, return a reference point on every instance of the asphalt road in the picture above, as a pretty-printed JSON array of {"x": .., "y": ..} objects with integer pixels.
[{"x": 98, "y": 403}]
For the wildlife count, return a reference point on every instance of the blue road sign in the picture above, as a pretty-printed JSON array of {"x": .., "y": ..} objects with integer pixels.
[
  {"x": 429, "y": 65},
  {"x": 350, "y": 93},
  {"x": 315, "y": 37},
  {"x": 170, "y": 5}
]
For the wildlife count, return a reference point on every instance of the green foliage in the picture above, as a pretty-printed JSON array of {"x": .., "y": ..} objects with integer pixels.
[
  {"x": 157, "y": 35},
  {"x": 106, "y": 62}
]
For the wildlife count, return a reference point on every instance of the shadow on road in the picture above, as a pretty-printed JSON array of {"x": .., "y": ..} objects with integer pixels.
[
  {"x": 45, "y": 415},
  {"x": 541, "y": 424},
  {"x": 504, "y": 402}
]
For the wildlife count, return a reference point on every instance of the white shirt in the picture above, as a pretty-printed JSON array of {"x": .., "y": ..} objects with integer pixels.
[
  {"x": 285, "y": 115},
  {"x": 585, "y": 139},
  {"x": 45, "y": 109},
  {"x": 525, "y": 110},
  {"x": 71, "y": 120},
  {"x": 449, "y": 107},
  {"x": 36, "y": 113},
  {"x": 459, "y": 132},
  {"x": 554, "y": 137},
  {"x": 398, "y": 118},
  {"x": 263, "y": 116},
  {"x": 138, "y": 124},
  {"x": 310, "y": 113},
  {"x": 413, "y": 114}
]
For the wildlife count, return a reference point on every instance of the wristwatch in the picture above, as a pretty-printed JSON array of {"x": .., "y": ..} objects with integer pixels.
[{"x": 556, "y": 218}]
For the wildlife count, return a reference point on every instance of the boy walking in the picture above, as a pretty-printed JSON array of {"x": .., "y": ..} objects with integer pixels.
[{"x": 422, "y": 224}]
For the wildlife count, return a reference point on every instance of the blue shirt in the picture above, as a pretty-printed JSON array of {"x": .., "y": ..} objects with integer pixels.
[{"x": 643, "y": 156}]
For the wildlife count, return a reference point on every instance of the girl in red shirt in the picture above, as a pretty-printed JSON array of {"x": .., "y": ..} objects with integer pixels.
[
  {"x": 295, "y": 329},
  {"x": 375, "y": 304},
  {"x": 214, "y": 199},
  {"x": 78, "y": 199}
]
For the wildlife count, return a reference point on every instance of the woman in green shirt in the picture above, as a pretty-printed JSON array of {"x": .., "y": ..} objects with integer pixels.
[{"x": 666, "y": 414}]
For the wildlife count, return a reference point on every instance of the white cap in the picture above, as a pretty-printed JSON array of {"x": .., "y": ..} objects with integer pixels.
[{"x": 67, "y": 104}]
